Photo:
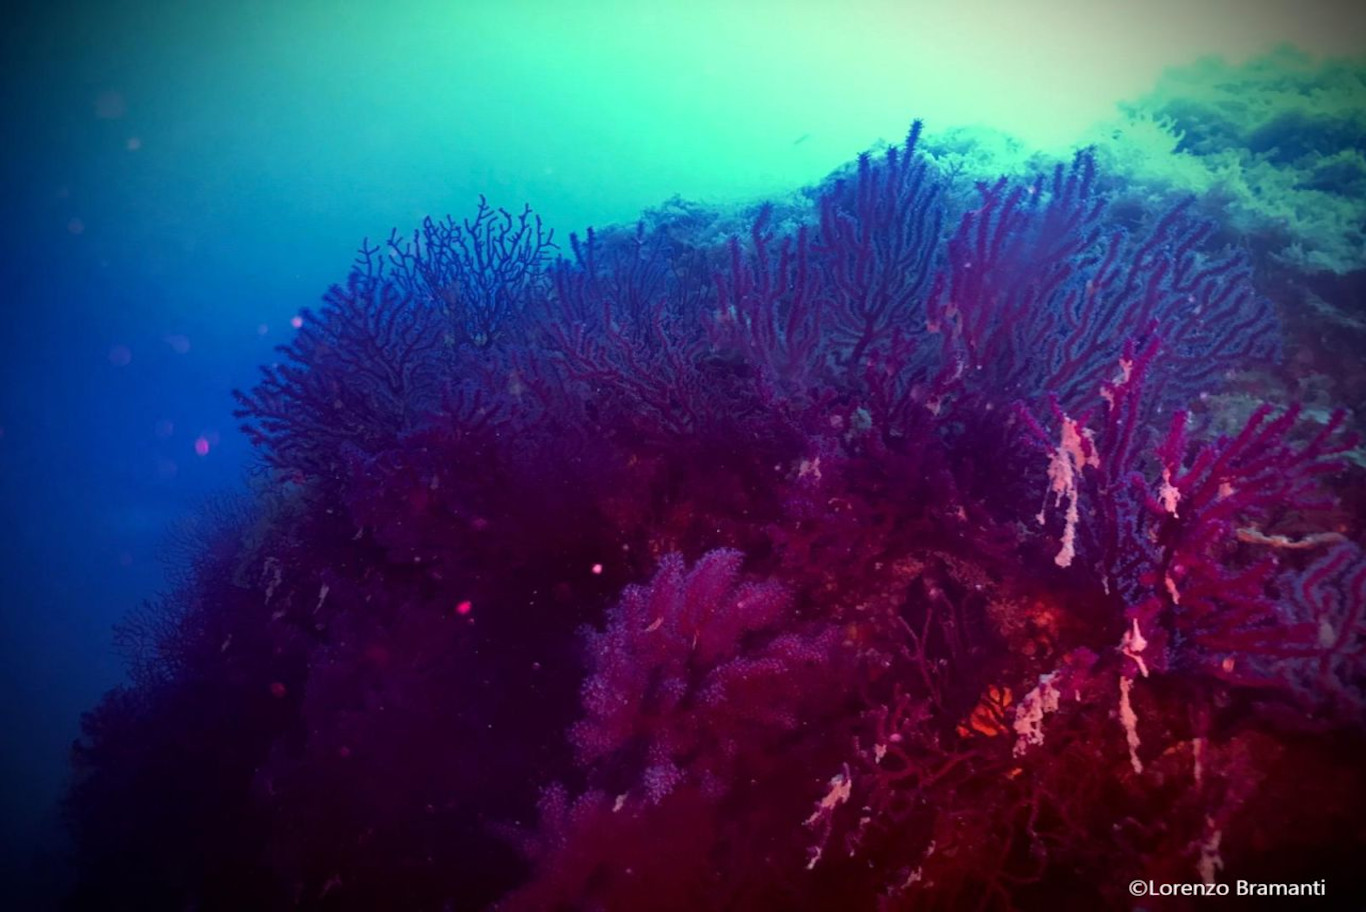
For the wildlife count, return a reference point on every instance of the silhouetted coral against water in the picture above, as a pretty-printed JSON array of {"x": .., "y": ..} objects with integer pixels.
[{"x": 890, "y": 561}]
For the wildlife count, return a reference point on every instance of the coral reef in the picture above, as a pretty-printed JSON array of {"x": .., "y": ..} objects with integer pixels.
[{"x": 892, "y": 560}]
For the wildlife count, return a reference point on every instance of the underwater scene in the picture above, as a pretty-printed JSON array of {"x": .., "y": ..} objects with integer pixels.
[{"x": 591, "y": 456}]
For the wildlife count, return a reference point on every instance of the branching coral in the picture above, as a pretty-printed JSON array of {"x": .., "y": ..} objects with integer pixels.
[{"x": 742, "y": 546}]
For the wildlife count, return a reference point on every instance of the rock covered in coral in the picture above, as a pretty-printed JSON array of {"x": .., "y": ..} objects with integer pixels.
[{"x": 882, "y": 559}]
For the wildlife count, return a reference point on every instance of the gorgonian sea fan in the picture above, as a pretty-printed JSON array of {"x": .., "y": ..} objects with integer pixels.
[
  {"x": 689, "y": 664},
  {"x": 835, "y": 653}
]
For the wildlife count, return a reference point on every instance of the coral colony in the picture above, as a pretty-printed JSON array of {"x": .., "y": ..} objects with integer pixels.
[{"x": 888, "y": 558}]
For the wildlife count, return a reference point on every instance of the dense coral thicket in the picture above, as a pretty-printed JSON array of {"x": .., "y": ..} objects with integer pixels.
[
  {"x": 1272, "y": 148},
  {"x": 892, "y": 559}
]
